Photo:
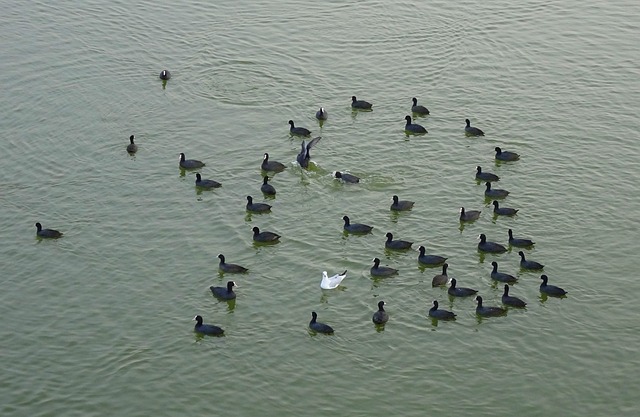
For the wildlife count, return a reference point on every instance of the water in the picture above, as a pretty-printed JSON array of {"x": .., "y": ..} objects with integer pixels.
[{"x": 99, "y": 321}]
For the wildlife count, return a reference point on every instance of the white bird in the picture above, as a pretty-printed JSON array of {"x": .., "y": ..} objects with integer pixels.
[{"x": 329, "y": 283}]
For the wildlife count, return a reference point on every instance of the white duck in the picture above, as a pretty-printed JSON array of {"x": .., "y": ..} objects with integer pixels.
[{"x": 329, "y": 283}]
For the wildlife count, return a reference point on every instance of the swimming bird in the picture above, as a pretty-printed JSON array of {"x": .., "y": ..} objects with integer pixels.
[
  {"x": 506, "y": 155},
  {"x": 267, "y": 188},
  {"x": 519, "y": 242},
  {"x": 230, "y": 268},
  {"x": 331, "y": 282},
  {"x": 396, "y": 244},
  {"x": 318, "y": 327},
  {"x": 491, "y": 247},
  {"x": 532, "y": 265},
  {"x": 485, "y": 176},
  {"x": 206, "y": 183},
  {"x": 381, "y": 271},
  {"x": 165, "y": 75},
  {"x": 355, "y": 227},
  {"x": 441, "y": 279},
  {"x": 132, "y": 147},
  {"x": 380, "y": 316},
  {"x": 551, "y": 289},
  {"x": 418, "y": 109},
  {"x": 488, "y": 311},
  {"x": 413, "y": 127},
  {"x": 472, "y": 131},
  {"x": 510, "y": 300},
  {"x": 208, "y": 329},
  {"x": 257, "y": 207},
  {"x": 439, "y": 314},
  {"x": 469, "y": 216},
  {"x": 304, "y": 157},
  {"x": 503, "y": 211},
  {"x": 459, "y": 291},
  {"x": 265, "y": 237},
  {"x": 274, "y": 166},
  {"x": 190, "y": 163},
  {"x": 47, "y": 233},
  {"x": 345, "y": 177},
  {"x": 224, "y": 293},
  {"x": 401, "y": 205},
  {"x": 501, "y": 276},
  {"x": 494, "y": 192},
  {"x": 298, "y": 131},
  {"x": 429, "y": 259},
  {"x": 322, "y": 114},
  {"x": 360, "y": 104}
]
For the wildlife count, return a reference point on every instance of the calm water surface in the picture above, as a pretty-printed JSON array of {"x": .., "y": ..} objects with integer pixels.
[{"x": 99, "y": 322}]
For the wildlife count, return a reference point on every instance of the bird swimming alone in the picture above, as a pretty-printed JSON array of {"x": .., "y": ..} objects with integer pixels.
[
  {"x": 331, "y": 282},
  {"x": 485, "y": 176},
  {"x": 488, "y": 311},
  {"x": 494, "y": 192},
  {"x": 381, "y": 271},
  {"x": 505, "y": 155},
  {"x": 274, "y": 166},
  {"x": 267, "y": 188},
  {"x": 440, "y": 314},
  {"x": 503, "y": 211},
  {"x": 491, "y": 247},
  {"x": 531, "y": 265},
  {"x": 469, "y": 215},
  {"x": 456, "y": 291},
  {"x": 511, "y": 300},
  {"x": 47, "y": 233},
  {"x": 441, "y": 279},
  {"x": 519, "y": 242},
  {"x": 132, "y": 147},
  {"x": 208, "y": 329},
  {"x": 401, "y": 205},
  {"x": 413, "y": 127},
  {"x": 396, "y": 244},
  {"x": 551, "y": 289},
  {"x": 360, "y": 104},
  {"x": 322, "y": 114},
  {"x": 431, "y": 260},
  {"x": 264, "y": 237},
  {"x": 257, "y": 207},
  {"x": 501, "y": 276},
  {"x": 355, "y": 227},
  {"x": 224, "y": 293},
  {"x": 165, "y": 75},
  {"x": 345, "y": 177}
]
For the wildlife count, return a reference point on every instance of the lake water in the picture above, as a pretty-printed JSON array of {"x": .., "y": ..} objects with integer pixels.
[{"x": 99, "y": 322}]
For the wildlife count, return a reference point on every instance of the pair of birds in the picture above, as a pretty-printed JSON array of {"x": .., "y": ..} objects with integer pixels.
[
  {"x": 380, "y": 317},
  {"x": 302, "y": 158}
]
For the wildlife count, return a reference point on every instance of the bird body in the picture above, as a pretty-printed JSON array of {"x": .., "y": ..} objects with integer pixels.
[
  {"x": 485, "y": 176},
  {"x": 257, "y": 207},
  {"x": 551, "y": 289},
  {"x": 230, "y": 268},
  {"x": 413, "y": 127},
  {"x": 345, "y": 177},
  {"x": 380, "y": 316},
  {"x": 519, "y": 242},
  {"x": 274, "y": 166},
  {"x": 439, "y": 314},
  {"x": 396, "y": 244},
  {"x": 206, "y": 183},
  {"x": 381, "y": 271},
  {"x": 208, "y": 329},
  {"x": 224, "y": 293},
  {"x": 264, "y": 237},
  {"x": 431, "y": 260},
  {"x": 401, "y": 205},
  {"x": 331, "y": 282},
  {"x": 488, "y": 311},
  {"x": 132, "y": 147},
  {"x": 322, "y": 114},
  {"x": 441, "y": 279},
  {"x": 456, "y": 291},
  {"x": 469, "y": 216},
  {"x": 355, "y": 227},
  {"x": 360, "y": 104},
  {"x": 494, "y": 192},
  {"x": 501, "y": 276},
  {"x": 47, "y": 233},
  {"x": 190, "y": 163},
  {"x": 510, "y": 300},
  {"x": 298, "y": 131},
  {"x": 472, "y": 131},
  {"x": 531, "y": 265},
  {"x": 418, "y": 109},
  {"x": 491, "y": 247},
  {"x": 304, "y": 157},
  {"x": 318, "y": 327},
  {"x": 267, "y": 188},
  {"x": 503, "y": 211},
  {"x": 506, "y": 155},
  {"x": 165, "y": 75}
]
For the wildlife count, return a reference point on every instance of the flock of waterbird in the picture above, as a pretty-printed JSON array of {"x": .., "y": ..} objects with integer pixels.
[{"x": 380, "y": 316}]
